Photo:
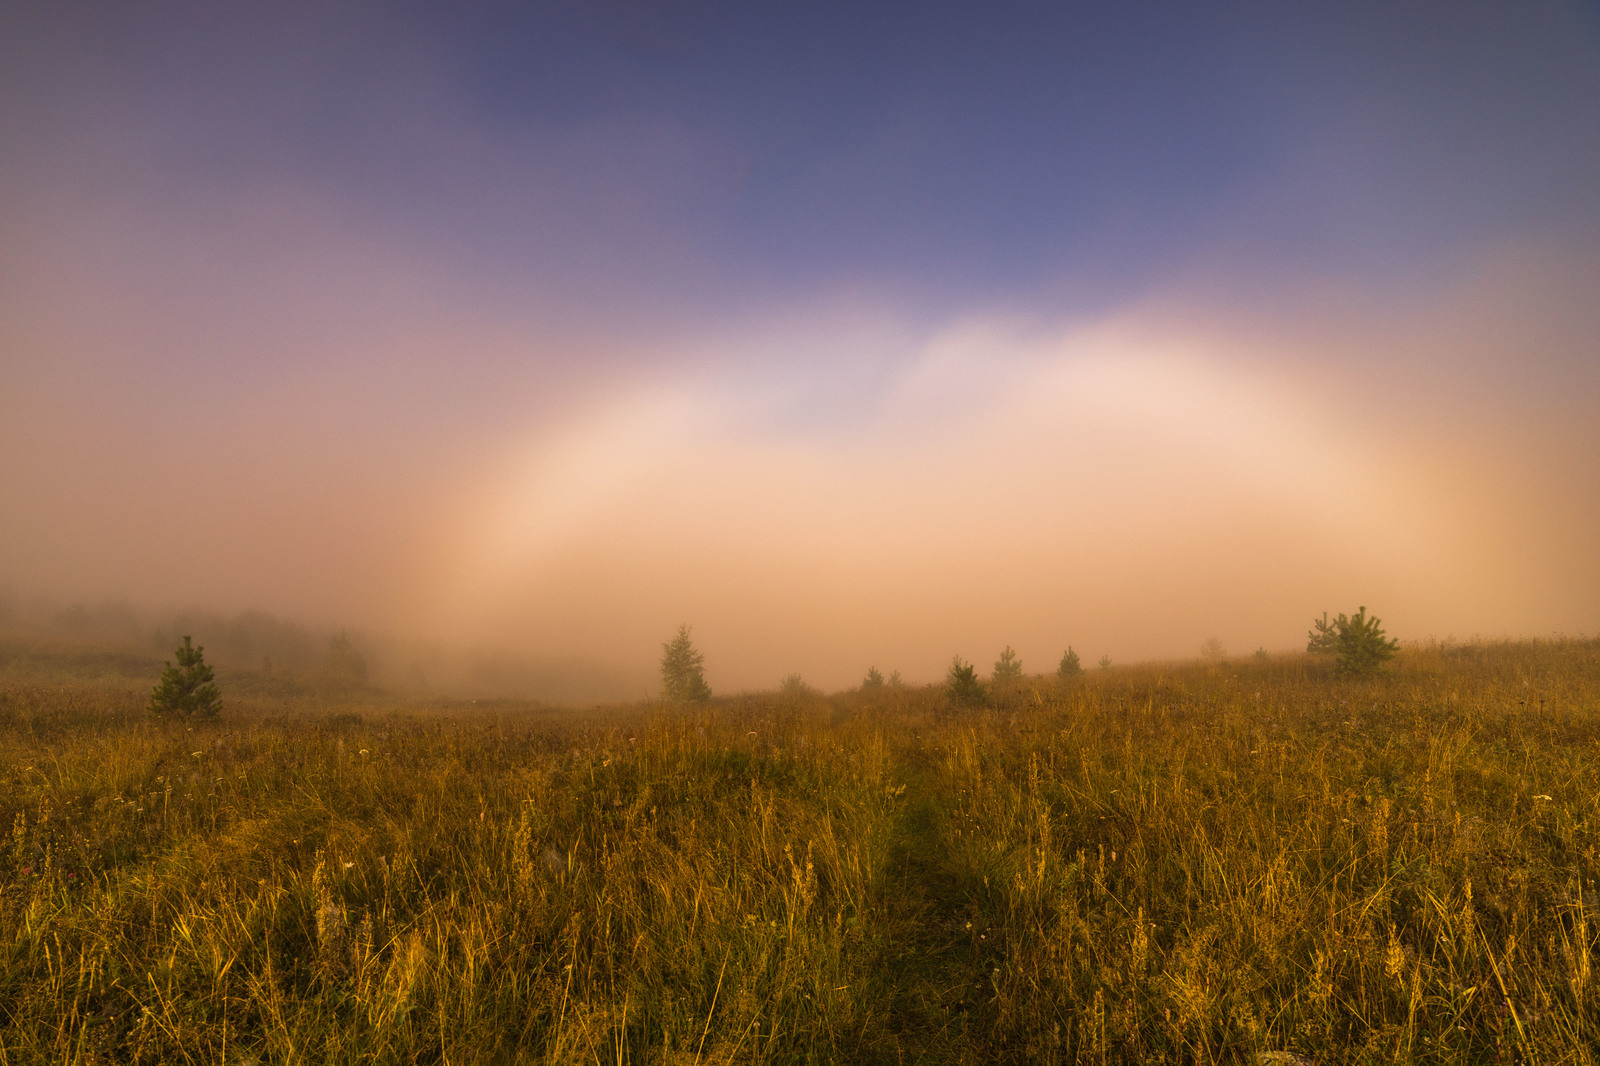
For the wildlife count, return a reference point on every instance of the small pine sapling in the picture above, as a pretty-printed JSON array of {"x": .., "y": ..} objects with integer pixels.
[
  {"x": 1105, "y": 662},
  {"x": 683, "y": 675},
  {"x": 1008, "y": 667},
  {"x": 1358, "y": 642},
  {"x": 1324, "y": 635},
  {"x": 963, "y": 687},
  {"x": 1071, "y": 665},
  {"x": 1363, "y": 646},
  {"x": 874, "y": 678},
  {"x": 189, "y": 688},
  {"x": 795, "y": 687}
]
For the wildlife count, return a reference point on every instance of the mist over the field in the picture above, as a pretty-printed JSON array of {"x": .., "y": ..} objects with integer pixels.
[{"x": 847, "y": 341}]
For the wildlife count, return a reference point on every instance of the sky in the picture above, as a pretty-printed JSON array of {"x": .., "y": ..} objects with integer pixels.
[{"x": 847, "y": 334}]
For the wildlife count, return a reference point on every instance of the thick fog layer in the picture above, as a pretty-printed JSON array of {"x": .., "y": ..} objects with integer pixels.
[{"x": 361, "y": 322}]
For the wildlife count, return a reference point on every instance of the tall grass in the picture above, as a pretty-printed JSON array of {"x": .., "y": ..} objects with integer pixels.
[{"x": 1186, "y": 864}]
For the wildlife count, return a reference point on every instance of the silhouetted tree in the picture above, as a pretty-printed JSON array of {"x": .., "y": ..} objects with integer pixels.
[
  {"x": 683, "y": 676},
  {"x": 1071, "y": 665},
  {"x": 874, "y": 678}
]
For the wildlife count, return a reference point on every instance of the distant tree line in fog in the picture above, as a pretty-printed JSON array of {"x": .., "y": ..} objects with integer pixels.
[
  {"x": 249, "y": 640},
  {"x": 263, "y": 644}
]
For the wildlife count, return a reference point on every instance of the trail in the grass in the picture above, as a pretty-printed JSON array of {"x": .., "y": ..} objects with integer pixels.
[{"x": 940, "y": 953}]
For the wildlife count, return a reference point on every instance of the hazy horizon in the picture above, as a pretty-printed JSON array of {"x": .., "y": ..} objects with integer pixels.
[{"x": 847, "y": 335}]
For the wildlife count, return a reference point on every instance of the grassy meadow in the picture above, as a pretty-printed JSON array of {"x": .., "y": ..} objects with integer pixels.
[{"x": 1251, "y": 861}]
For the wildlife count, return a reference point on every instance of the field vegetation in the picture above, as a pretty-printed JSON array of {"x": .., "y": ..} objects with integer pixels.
[{"x": 1229, "y": 861}]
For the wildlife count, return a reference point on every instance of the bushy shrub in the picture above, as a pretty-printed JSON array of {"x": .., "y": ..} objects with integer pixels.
[
  {"x": 1358, "y": 642},
  {"x": 795, "y": 687},
  {"x": 189, "y": 688},
  {"x": 683, "y": 676},
  {"x": 962, "y": 685}
]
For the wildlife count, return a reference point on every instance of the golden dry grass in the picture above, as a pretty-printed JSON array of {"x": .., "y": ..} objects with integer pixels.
[{"x": 1182, "y": 863}]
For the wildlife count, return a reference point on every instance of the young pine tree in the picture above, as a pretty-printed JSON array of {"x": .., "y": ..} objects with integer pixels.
[
  {"x": 1008, "y": 667},
  {"x": 1358, "y": 642},
  {"x": 1071, "y": 665},
  {"x": 963, "y": 687},
  {"x": 683, "y": 677},
  {"x": 1363, "y": 646},
  {"x": 874, "y": 678},
  {"x": 188, "y": 689},
  {"x": 1324, "y": 635},
  {"x": 795, "y": 687}
]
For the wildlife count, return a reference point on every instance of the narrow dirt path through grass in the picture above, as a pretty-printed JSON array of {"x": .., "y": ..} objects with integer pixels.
[{"x": 940, "y": 955}]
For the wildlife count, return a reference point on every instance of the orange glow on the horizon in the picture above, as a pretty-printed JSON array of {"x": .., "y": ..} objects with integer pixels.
[{"x": 1110, "y": 487}]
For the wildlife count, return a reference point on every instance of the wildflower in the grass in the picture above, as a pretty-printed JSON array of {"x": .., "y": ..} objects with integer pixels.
[{"x": 1394, "y": 958}]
